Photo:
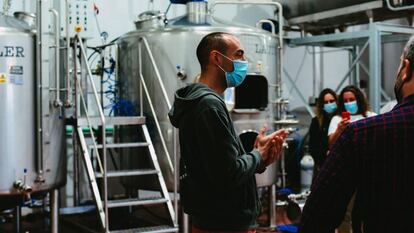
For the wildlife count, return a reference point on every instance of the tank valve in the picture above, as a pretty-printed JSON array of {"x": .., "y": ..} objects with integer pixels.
[
  {"x": 57, "y": 103},
  {"x": 22, "y": 187},
  {"x": 181, "y": 74}
]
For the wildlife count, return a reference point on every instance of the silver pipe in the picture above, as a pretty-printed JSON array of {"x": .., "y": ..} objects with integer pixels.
[
  {"x": 57, "y": 103},
  {"x": 39, "y": 88},
  {"x": 76, "y": 188},
  {"x": 54, "y": 211},
  {"x": 68, "y": 89},
  {"x": 141, "y": 99},
  {"x": 186, "y": 223},
  {"x": 175, "y": 174},
  {"x": 272, "y": 203},
  {"x": 164, "y": 92},
  {"x": 17, "y": 223},
  {"x": 76, "y": 196},
  {"x": 398, "y": 8}
]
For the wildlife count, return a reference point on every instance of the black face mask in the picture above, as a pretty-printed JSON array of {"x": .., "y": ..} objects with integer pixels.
[{"x": 399, "y": 83}]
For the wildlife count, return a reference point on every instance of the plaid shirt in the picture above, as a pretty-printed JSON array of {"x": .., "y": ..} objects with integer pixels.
[{"x": 373, "y": 157}]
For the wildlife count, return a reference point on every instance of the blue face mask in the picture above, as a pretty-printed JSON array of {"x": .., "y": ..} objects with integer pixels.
[
  {"x": 237, "y": 76},
  {"x": 330, "y": 108},
  {"x": 351, "y": 107}
]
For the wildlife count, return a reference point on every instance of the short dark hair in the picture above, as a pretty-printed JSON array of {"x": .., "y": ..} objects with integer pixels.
[
  {"x": 362, "y": 102},
  {"x": 408, "y": 52},
  {"x": 212, "y": 41}
]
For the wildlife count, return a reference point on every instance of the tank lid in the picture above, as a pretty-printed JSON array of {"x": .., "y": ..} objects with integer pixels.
[
  {"x": 150, "y": 19},
  {"x": 8, "y": 23},
  {"x": 27, "y": 17}
]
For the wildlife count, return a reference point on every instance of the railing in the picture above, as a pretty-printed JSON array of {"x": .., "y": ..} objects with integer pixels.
[
  {"x": 142, "y": 86},
  {"x": 164, "y": 93},
  {"x": 102, "y": 166}
]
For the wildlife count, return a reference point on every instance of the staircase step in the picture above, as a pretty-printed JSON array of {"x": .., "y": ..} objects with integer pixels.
[
  {"x": 135, "y": 172},
  {"x": 122, "y": 145},
  {"x": 154, "y": 229},
  {"x": 136, "y": 202},
  {"x": 120, "y": 120}
]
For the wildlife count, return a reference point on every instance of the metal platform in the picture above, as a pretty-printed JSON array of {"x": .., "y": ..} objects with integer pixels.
[{"x": 357, "y": 42}]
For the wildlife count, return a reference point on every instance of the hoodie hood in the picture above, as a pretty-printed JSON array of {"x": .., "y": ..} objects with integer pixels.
[{"x": 185, "y": 98}]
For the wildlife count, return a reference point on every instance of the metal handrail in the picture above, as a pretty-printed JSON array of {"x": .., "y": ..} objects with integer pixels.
[
  {"x": 164, "y": 92},
  {"x": 149, "y": 97},
  {"x": 102, "y": 118},
  {"x": 57, "y": 103}
]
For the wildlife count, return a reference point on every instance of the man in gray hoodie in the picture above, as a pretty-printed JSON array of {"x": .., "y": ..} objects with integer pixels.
[{"x": 217, "y": 177}]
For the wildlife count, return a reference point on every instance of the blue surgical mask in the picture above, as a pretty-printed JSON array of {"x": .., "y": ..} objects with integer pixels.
[
  {"x": 330, "y": 108},
  {"x": 237, "y": 76},
  {"x": 351, "y": 107}
]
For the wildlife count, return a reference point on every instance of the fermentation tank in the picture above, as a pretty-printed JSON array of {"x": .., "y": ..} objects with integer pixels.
[
  {"x": 173, "y": 46},
  {"x": 18, "y": 158}
]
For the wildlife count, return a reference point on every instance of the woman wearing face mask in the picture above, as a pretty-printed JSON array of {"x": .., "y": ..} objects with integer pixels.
[
  {"x": 326, "y": 107},
  {"x": 350, "y": 100}
]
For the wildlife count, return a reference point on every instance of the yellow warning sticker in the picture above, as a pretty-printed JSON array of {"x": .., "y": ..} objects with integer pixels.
[{"x": 3, "y": 78}]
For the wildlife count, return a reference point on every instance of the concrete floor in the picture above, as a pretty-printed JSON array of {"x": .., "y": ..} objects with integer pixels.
[{"x": 88, "y": 222}]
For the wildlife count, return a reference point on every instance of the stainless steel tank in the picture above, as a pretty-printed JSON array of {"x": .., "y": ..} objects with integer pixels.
[
  {"x": 18, "y": 171},
  {"x": 319, "y": 16},
  {"x": 174, "y": 50}
]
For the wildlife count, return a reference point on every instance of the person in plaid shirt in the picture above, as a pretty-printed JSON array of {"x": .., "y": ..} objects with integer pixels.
[{"x": 373, "y": 157}]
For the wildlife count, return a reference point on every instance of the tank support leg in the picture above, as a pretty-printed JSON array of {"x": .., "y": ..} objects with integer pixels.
[
  {"x": 54, "y": 211},
  {"x": 186, "y": 223},
  {"x": 272, "y": 207},
  {"x": 17, "y": 219}
]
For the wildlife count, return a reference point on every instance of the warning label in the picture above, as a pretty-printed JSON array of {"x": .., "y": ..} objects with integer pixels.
[
  {"x": 16, "y": 70},
  {"x": 16, "y": 75},
  {"x": 3, "y": 78}
]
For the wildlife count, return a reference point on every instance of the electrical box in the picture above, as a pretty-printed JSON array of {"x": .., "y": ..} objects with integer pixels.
[{"x": 80, "y": 15}]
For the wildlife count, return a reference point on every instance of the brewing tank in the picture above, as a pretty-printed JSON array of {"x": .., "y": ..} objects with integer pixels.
[
  {"x": 173, "y": 48},
  {"x": 18, "y": 170}
]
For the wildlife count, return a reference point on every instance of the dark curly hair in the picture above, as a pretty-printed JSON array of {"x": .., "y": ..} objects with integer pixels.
[
  {"x": 320, "y": 113},
  {"x": 362, "y": 102}
]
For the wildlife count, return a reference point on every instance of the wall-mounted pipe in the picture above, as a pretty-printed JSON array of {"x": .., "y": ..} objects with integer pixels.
[
  {"x": 68, "y": 102},
  {"x": 57, "y": 103},
  {"x": 39, "y": 88}
]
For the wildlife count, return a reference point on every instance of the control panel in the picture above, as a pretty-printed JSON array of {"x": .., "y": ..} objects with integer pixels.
[{"x": 80, "y": 14}]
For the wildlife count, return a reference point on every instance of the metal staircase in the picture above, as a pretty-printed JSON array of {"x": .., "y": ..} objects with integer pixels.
[{"x": 98, "y": 152}]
